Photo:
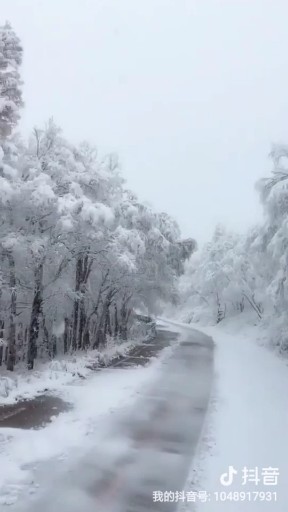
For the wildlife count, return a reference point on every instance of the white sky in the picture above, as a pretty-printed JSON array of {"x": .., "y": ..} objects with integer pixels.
[{"x": 189, "y": 93}]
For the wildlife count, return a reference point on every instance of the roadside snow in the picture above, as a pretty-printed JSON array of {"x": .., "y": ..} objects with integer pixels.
[
  {"x": 246, "y": 424},
  {"x": 50, "y": 376}
]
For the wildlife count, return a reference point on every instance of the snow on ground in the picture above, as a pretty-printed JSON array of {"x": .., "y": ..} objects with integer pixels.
[
  {"x": 50, "y": 376},
  {"x": 94, "y": 400},
  {"x": 246, "y": 425}
]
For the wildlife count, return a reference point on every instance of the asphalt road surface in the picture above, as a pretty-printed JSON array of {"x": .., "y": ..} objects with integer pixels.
[{"x": 146, "y": 449}]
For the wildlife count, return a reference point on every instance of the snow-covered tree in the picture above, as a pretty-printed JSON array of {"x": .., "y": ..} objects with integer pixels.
[
  {"x": 236, "y": 274},
  {"x": 223, "y": 279},
  {"x": 78, "y": 252},
  {"x": 10, "y": 82}
]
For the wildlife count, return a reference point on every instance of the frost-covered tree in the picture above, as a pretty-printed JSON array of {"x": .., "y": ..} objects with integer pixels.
[
  {"x": 223, "y": 280},
  {"x": 236, "y": 274},
  {"x": 273, "y": 240},
  {"x": 78, "y": 252},
  {"x": 10, "y": 81}
]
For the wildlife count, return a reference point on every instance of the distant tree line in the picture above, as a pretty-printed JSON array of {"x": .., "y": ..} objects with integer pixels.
[{"x": 237, "y": 274}]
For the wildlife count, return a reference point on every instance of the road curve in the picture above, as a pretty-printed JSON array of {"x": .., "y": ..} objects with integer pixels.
[{"x": 156, "y": 441}]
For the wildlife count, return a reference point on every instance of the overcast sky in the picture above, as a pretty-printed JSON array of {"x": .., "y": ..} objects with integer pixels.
[{"x": 189, "y": 93}]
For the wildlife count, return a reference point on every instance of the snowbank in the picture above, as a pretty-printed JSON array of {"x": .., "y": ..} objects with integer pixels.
[{"x": 52, "y": 375}]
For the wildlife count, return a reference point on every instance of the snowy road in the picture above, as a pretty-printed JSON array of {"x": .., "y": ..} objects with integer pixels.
[
  {"x": 143, "y": 448},
  {"x": 246, "y": 427}
]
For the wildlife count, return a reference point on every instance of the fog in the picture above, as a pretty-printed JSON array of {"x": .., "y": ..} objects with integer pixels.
[{"x": 190, "y": 94}]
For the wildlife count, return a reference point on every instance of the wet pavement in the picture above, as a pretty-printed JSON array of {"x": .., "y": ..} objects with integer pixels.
[
  {"x": 141, "y": 355},
  {"x": 146, "y": 449},
  {"x": 34, "y": 413}
]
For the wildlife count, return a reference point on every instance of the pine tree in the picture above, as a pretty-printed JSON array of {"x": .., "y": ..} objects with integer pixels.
[{"x": 10, "y": 81}]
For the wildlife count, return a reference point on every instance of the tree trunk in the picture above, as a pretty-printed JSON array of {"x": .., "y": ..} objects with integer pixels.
[
  {"x": 220, "y": 311},
  {"x": 20, "y": 342},
  {"x": 25, "y": 349},
  {"x": 1, "y": 338},
  {"x": 123, "y": 323},
  {"x": 86, "y": 269},
  {"x": 116, "y": 323},
  {"x": 86, "y": 336},
  {"x": 53, "y": 346},
  {"x": 125, "y": 313},
  {"x": 11, "y": 356},
  {"x": 104, "y": 323},
  {"x": 253, "y": 305},
  {"x": 99, "y": 336},
  {"x": 76, "y": 303},
  {"x": 66, "y": 336},
  {"x": 108, "y": 328},
  {"x": 82, "y": 323},
  {"x": 35, "y": 317},
  {"x": 46, "y": 339}
]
